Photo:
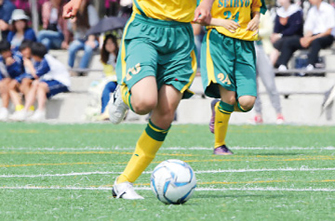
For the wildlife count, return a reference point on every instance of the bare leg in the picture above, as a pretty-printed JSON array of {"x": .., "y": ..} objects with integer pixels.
[
  {"x": 163, "y": 114},
  {"x": 4, "y": 90},
  {"x": 13, "y": 92},
  {"x": 42, "y": 91},
  {"x": 31, "y": 96},
  {"x": 144, "y": 95}
]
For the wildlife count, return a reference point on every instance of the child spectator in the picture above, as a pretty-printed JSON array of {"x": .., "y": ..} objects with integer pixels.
[
  {"x": 6, "y": 10},
  {"x": 11, "y": 66},
  {"x": 288, "y": 24},
  {"x": 20, "y": 29},
  {"x": 22, "y": 83},
  {"x": 108, "y": 54},
  {"x": 318, "y": 27},
  {"x": 55, "y": 34},
  {"x": 51, "y": 77},
  {"x": 87, "y": 17}
]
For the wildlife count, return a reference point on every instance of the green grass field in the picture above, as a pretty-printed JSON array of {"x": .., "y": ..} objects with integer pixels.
[{"x": 65, "y": 172}]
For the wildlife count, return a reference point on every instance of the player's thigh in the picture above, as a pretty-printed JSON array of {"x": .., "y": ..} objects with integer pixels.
[
  {"x": 138, "y": 60},
  {"x": 217, "y": 63},
  {"x": 144, "y": 94}
]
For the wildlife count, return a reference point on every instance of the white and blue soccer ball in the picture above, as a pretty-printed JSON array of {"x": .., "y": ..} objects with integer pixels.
[{"x": 173, "y": 181}]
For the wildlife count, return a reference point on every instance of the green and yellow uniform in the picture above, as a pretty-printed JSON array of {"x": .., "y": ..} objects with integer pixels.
[
  {"x": 229, "y": 59},
  {"x": 157, "y": 41}
]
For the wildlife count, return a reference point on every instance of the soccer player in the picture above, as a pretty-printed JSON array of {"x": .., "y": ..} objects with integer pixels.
[
  {"x": 155, "y": 68},
  {"x": 228, "y": 63}
]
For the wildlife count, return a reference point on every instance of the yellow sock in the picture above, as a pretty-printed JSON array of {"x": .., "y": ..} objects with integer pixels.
[
  {"x": 145, "y": 151},
  {"x": 19, "y": 107},
  {"x": 32, "y": 108},
  {"x": 222, "y": 115}
]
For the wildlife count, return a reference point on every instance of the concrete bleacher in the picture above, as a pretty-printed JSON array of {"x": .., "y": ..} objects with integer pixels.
[{"x": 301, "y": 98}]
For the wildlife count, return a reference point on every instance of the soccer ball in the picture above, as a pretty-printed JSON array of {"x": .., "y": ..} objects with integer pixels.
[{"x": 173, "y": 181}]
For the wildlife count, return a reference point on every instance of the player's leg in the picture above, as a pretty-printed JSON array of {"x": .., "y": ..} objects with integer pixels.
[
  {"x": 154, "y": 134},
  {"x": 137, "y": 87},
  {"x": 217, "y": 71}
]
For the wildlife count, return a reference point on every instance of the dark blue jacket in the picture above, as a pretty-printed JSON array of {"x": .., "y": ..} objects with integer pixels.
[
  {"x": 294, "y": 25},
  {"x": 29, "y": 34},
  {"x": 14, "y": 70}
]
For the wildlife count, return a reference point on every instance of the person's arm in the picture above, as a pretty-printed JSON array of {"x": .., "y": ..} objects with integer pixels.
[
  {"x": 14, "y": 66},
  {"x": 42, "y": 68},
  {"x": 30, "y": 66}
]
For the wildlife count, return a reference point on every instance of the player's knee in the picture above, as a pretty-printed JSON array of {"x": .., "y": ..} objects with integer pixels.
[
  {"x": 143, "y": 106},
  {"x": 247, "y": 102}
]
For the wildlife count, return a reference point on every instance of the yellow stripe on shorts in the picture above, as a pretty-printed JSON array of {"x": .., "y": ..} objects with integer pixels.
[
  {"x": 209, "y": 61},
  {"x": 194, "y": 68}
]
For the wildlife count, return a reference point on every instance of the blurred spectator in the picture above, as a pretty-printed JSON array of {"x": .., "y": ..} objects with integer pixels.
[
  {"x": 288, "y": 24},
  {"x": 126, "y": 8},
  {"x": 22, "y": 83},
  {"x": 22, "y": 4},
  {"x": 86, "y": 18},
  {"x": 266, "y": 73},
  {"x": 55, "y": 33},
  {"x": 20, "y": 29},
  {"x": 108, "y": 54},
  {"x": 6, "y": 9},
  {"x": 318, "y": 35},
  {"x": 112, "y": 7},
  {"x": 51, "y": 78},
  {"x": 11, "y": 66}
]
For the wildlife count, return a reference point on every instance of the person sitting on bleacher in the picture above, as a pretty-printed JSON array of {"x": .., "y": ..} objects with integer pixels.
[
  {"x": 51, "y": 77},
  {"x": 11, "y": 66},
  {"x": 22, "y": 83},
  {"x": 320, "y": 22},
  {"x": 20, "y": 29},
  {"x": 288, "y": 24},
  {"x": 86, "y": 17}
]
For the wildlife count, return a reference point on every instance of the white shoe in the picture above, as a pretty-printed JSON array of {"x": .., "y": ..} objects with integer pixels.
[
  {"x": 19, "y": 115},
  {"x": 282, "y": 68},
  {"x": 38, "y": 116},
  {"x": 310, "y": 67},
  {"x": 125, "y": 191},
  {"x": 4, "y": 113},
  {"x": 117, "y": 108}
]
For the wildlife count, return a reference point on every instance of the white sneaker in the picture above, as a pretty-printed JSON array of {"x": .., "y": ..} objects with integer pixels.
[
  {"x": 4, "y": 113},
  {"x": 19, "y": 115},
  {"x": 282, "y": 68},
  {"x": 125, "y": 191},
  {"x": 310, "y": 67},
  {"x": 38, "y": 116},
  {"x": 117, "y": 108}
]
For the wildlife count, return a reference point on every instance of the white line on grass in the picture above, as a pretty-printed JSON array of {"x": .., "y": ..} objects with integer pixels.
[
  {"x": 149, "y": 172},
  {"x": 164, "y": 148},
  {"x": 148, "y": 188}
]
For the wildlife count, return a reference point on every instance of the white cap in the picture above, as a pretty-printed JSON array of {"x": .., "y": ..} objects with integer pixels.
[{"x": 18, "y": 14}]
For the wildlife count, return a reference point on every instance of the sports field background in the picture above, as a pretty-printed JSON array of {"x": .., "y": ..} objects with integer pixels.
[{"x": 65, "y": 172}]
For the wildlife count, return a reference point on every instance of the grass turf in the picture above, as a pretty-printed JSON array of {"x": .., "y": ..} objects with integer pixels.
[{"x": 277, "y": 173}]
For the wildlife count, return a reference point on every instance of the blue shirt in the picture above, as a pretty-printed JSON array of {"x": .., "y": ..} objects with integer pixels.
[
  {"x": 41, "y": 67},
  {"x": 6, "y": 10},
  {"x": 294, "y": 25},
  {"x": 29, "y": 34},
  {"x": 14, "y": 70}
]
